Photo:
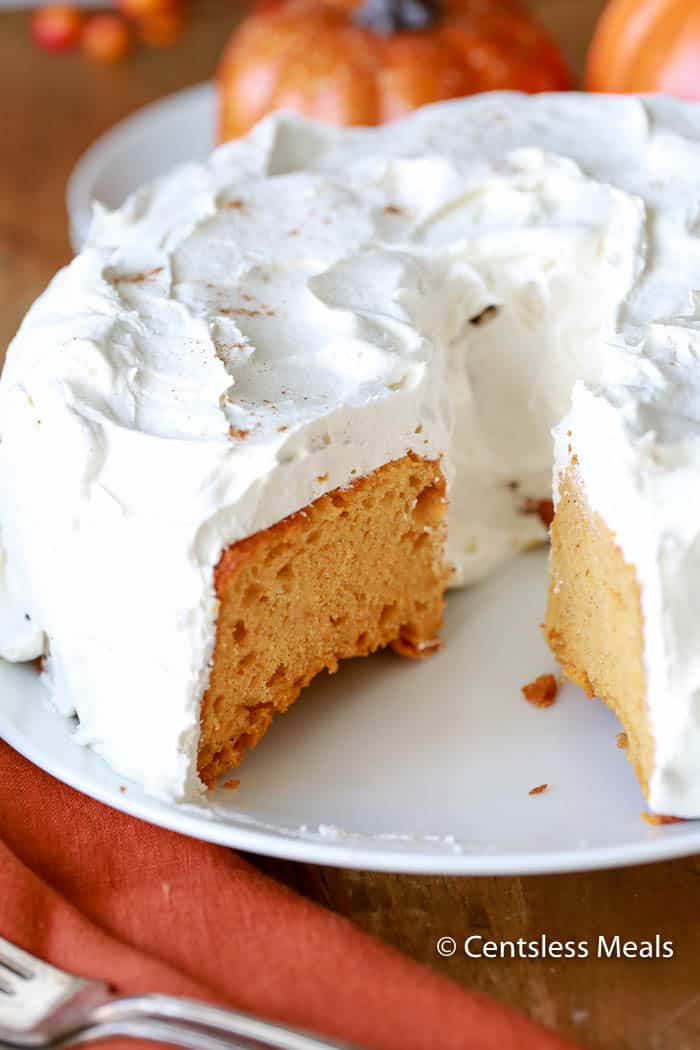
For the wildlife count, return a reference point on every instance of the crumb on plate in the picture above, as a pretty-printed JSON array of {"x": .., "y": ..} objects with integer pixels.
[
  {"x": 539, "y": 508},
  {"x": 660, "y": 818},
  {"x": 542, "y": 692}
]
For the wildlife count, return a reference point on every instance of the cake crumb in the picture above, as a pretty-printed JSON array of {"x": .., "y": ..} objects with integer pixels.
[
  {"x": 322, "y": 477},
  {"x": 621, "y": 740},
  {"x": 535, "y": 545},
  {"x": 237, "y": 204},
  {"x": 231, "y": 785},
  {"x": 539, "y": 790},
  {"x": 655, "y": 819},
  {"x": 393, "y": 209},
  {"x": 237, "y": 433},
  {"x": 542, "y": 508},
  {"x": 122, "y": 788},
  {"x": 542, "y": 692}
]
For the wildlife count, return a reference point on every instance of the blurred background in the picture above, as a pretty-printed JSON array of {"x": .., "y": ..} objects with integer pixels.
[{"x": 69, "y": 72}]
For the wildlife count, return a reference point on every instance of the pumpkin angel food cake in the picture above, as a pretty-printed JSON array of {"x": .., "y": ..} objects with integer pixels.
[{"x": 283, "y": 399}]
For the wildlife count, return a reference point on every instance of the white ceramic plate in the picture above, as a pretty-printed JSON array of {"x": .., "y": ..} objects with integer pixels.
[
  {"x": 398, "y": 766},
  {"x": 173, "y": 131},
  {"x": 387, "y": 765}
]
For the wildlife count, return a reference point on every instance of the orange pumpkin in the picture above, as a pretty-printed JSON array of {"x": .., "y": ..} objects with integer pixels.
[
  {"x": 647, "y": 45},
  {"x": 349, "y": 64}
]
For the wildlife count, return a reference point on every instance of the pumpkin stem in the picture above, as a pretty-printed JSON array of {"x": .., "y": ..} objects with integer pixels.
[{"x": 385, "y": 17}]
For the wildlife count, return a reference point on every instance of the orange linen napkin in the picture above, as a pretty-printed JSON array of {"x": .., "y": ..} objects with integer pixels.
[{"x": 105, "y": 895}]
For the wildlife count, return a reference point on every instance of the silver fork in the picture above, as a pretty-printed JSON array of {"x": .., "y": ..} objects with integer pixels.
[
  {"x": 44, "y": 1007},
  {"x": 148, "y": 1029}
]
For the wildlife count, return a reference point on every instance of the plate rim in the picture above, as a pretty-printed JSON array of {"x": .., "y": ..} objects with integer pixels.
[
  {"x": 83, "y": 175},
  {"x": 666, "y": 844}
]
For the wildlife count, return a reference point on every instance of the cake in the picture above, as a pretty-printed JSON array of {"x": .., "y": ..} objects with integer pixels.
[
  {"x": 361, "y": 568},
  {"x": 623, "y": 615},
  {"x": 282, "y": 399}
]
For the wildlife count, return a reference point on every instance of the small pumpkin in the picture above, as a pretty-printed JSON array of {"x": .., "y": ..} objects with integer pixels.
[
  {"x": 647, "y": 45},
  {"x": 366, "y": 63}
]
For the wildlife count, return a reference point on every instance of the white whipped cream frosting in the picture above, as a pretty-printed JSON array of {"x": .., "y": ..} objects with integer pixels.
[
  {"x": 302, "y": 307},
  {"x": 637, "y": 443}
]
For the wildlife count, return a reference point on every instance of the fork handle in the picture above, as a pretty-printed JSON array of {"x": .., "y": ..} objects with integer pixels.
[{"x": 256, "y": 1033}]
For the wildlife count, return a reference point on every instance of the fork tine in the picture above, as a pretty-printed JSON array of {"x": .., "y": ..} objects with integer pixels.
[
  {"x": 21, "y": 963},
  {"x": 15, "y": 969},
  {"x": 34, "y": 994},
  {"x": 6, "y": 986}
]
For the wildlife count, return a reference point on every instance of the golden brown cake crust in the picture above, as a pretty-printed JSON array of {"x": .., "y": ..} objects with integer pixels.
[
  {"x": 594, "y": 622},
  {"x": 359, "y": 568}
]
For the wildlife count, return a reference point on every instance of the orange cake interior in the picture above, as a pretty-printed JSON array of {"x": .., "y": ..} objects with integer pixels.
[
  {"x": 594, "y": 622},
  {"x": 358, "y": 569}
]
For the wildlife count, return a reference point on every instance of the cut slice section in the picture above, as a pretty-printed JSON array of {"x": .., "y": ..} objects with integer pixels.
[
  {"x": 358, "y": 569},
  {"x": 594, "y": 623}
]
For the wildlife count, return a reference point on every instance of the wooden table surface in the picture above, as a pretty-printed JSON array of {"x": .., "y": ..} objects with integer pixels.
[{"x": 52, "y": 109}]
